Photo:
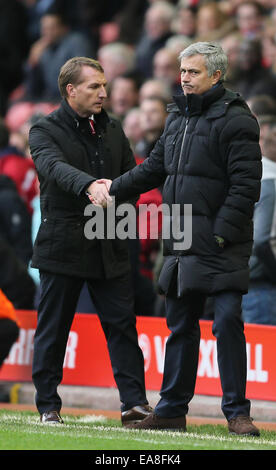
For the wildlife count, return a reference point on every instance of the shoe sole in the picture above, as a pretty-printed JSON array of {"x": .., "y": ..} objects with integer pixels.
[
  {"x": 52, "y": 423},
  {"x": 157, "y": 429},
  {"x": 134, "y": 421},
  {"x": 251, "y": 434}
]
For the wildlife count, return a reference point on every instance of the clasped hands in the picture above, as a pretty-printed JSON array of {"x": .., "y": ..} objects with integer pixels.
[{"x": 98, "y": 192}]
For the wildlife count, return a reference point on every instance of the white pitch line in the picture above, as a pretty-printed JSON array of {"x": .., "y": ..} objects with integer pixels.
[{"x": 79, "y": 428}]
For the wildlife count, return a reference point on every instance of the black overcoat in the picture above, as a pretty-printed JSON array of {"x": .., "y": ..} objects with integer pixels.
[
  {"x": 208, "y": 157},
  {"x": 68, "y": 158}
]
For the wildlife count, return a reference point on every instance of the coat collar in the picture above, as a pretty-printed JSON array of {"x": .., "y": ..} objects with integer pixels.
[
  {"x": 193, "y": 104},
  {"x": 75, "y": 119}
]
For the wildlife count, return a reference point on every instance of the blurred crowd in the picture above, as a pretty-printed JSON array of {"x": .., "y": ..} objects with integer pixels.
[{"x": 138, "y": 43}]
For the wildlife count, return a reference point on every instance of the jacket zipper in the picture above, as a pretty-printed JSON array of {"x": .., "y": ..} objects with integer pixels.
[
  {"x": 182, "y": 144},
  {"x": 178, "y": 277},
  {"x": 180, "y": 156}
]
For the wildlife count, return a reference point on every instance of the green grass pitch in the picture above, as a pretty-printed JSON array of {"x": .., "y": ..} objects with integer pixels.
[{"x": 21, "y": 430}]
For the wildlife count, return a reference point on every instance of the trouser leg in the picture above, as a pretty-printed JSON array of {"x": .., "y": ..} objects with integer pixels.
[
  {"x": 59, "y": 296},
  {"x": 231, "y": 351},
  {"x": 181, "y": 357},
  {"x": 114, "y": 304}
]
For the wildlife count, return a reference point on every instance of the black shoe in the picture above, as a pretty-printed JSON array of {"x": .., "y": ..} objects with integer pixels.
[
  {"x": 51, "y": 417},
  {"x": 135, "y": 414},
  {"x": 157, "y": 422}
]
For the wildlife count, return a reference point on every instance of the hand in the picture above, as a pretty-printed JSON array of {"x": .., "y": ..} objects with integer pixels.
[
  {"x": 36, "y": 51},
  {"x": 98, "y": 193},
  {"x": 107, "y": 182}
]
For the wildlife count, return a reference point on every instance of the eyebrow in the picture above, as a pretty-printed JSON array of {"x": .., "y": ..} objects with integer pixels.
[
  {"x": 97, "y": 84},
  {"x": 183, "y": 69}
]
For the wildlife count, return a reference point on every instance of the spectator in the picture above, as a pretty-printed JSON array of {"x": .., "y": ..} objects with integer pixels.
[
  {"x": 261, "y": 105},
  {"x": 155, "y": 87},
  {"x": 166, "y": 68},
  {"x": 13, "y": 48},
  {"x": 254, "y": 78},
  {"x": 94, "y": 14},
  {"x": 19, "y": 137},
  {"x": 259, "y": 305},
  {"x": 15, "y": 221},
  {"x": 9, "y": 331},
  {"x": 19, "y": 168},
  {"x": 143, "y": 289},
  {"x": 9, "y": 327},
  {"x": 132, "y": 127},
  {"x": 116, "y": 59},
  {"x": 157, "y": 29},
  {"x": 57, "y": 44},
  {"x": 37, "y": 8},
  {"x": 15, "y": 280},
  {"x": 177, "y": 43},
  {"x": 153, "y": 115},
  {"x": 152, "y": 121},
  {"x": 130, "y": 20},
  {"x": 212, "y": 23},
  {"x": 124, "y": 94},
  {"x": 184, "y": 22},
  {"x": 269, "y": 48},
  {"x": 265, "y": 126},
  {"x": 231, "y": 45},
  {"x": 250, "y": 19}
]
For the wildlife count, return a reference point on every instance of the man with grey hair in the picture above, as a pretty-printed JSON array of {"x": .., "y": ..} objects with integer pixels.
[{"x": 209, "y": 157}]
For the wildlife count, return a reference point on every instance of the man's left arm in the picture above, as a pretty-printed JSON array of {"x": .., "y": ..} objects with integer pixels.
[{"x": 239, "y": 143}]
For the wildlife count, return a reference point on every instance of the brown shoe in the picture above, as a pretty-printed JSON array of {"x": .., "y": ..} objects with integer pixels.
[
  {"x": 242, "y": 425},
  {"x": 135, "y": 414},
  {"x": 157, "y": 422},
  {"x": 51, "y": 417}
]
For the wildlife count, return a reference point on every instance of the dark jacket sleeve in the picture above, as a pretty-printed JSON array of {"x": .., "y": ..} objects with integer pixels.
[
  {"x": 51, "y": 164},
  {"x": 144, "y": 177},
  {"x": 239, "y": 143}
]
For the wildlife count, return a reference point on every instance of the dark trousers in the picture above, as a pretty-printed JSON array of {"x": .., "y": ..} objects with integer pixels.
[
  {"x": 114, "y": 303},
  {"x": 182, "y": 352},
  {"x": 9, "y": 332}
]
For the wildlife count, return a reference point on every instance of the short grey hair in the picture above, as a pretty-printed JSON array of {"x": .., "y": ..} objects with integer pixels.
[{"x": 215, "y": 57}]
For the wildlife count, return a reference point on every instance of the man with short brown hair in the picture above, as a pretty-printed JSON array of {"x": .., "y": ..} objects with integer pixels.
[{"x": 73, "y": 148}]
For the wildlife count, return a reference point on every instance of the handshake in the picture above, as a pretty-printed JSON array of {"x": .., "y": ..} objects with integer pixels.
[{"x": 98, "y": 192}]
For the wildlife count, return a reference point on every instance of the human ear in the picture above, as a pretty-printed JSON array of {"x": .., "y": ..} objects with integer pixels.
[{"x": 216, "y": 76}]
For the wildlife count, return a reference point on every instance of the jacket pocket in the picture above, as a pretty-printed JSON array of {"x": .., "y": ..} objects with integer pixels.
[
  {"x": 170, "y": 147},
  {"x": 60, "y": 240},
  {"x": 167, "y": 282},
  {"x": 44, "y": 238}
]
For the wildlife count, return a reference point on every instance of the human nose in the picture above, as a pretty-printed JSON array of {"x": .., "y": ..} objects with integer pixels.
[
  {"x": 185, "y": 76},
  {"x": 102, "y": 92}
]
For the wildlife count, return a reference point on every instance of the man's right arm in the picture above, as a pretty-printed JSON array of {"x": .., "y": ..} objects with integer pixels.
[
  {"x": 51, "y": 164},
  {"x": 144, "y": 177}
]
